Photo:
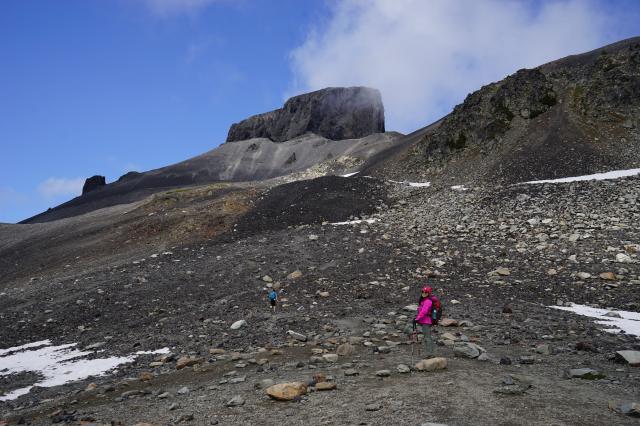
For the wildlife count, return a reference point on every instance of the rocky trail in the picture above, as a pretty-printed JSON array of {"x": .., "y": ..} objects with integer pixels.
[{"x": 499, "y": 257}]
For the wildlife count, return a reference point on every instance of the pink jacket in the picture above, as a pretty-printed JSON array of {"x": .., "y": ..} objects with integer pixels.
[{"x": 423, "y": 316}]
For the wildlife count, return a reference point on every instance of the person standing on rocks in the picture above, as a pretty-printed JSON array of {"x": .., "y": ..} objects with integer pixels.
[
  {"x": 424, "y": 319},
  {"x": 273, "y": 299}
]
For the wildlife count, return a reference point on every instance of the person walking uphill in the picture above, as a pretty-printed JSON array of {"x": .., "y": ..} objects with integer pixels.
[
  {"x": 424, "y": 318},
  {"x": 273, "y": 299}
]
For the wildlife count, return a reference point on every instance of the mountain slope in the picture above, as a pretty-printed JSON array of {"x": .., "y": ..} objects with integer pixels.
[{"x": 575, "y": 116}]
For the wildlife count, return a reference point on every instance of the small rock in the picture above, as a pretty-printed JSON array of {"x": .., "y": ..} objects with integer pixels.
[
  {"x": 448, "y": 322},
  {"x": 236, "y": 401},
  {"x": 267, "y": 279},
  {"x": 623, "y": 258},
  {"x": 187, "y": 361},
  {"x": 373, "y": 407},
  {"x": 351, "y": 372},
  {"x": 145, "y": 376},
  {"x": 609, "y": 276},
  {"x": 330, "y": 357},
  {"x": 431, "y": 364},
  {"x": 467, "y": 350},
  {"x": 287, "y": 391},
  {"x": 298, "y": 336},
  {"x": 345, "y": 349},
  {"x": 294, "y": 275},
  {"x": 326, "y": 386},
  {"x": 403, "y": 369},
  {"x": 383, "y": 373},
  {"x": 236, "y": 325},
  {"x": 183, "y": 390}
]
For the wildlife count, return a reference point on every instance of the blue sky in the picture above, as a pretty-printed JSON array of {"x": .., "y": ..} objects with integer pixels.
[{"x": 108, "y": 86}]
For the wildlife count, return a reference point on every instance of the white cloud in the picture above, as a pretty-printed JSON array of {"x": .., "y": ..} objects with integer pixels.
[
  {"x": 58, "y": 187},
  {"x": 426, "y": 56},
  {"x": 177, "y": 7}
]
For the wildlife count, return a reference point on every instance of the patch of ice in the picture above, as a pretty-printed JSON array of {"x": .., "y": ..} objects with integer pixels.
[
  {"x": 629, "y": 323},
  {"x": 354, "y": 222},
  {"x": 597, "y": 176},
  {"x": 351, "y": 174},
  {"x": 57, "y": 365}
]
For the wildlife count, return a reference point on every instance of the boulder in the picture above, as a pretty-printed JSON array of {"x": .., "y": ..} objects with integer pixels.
[
  {"x": 431, "y": 364},
  {"x": 630, "y": 409},
  {"x": 236, "y": 401},
  {"x": 93, "y": 183},
  {"x": 298, "y": 336},
  {"x": 187, "y": 361},
  {"x": 345, "y": 349},
  {"x": 335, "y": 113},
  {"x": 467, "y": 350},
  {"x": 448, "y": 322},
  {"x": 238, "y": 324},
  {"x": 330, "y": 357},
  {"x": 287, "y": 391},
  {"x": 326, "y": 386},
  {"x": 630, "y": 357},
  {"x": 585, "y": 373},
  {"x": 294, "y": 275}
]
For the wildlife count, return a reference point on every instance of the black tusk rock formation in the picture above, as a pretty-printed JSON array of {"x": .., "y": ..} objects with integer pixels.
[{"x": 335, "y": 113}]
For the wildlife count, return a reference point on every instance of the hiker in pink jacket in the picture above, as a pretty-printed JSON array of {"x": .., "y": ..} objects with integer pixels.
[{"x": 424, "y": 319}]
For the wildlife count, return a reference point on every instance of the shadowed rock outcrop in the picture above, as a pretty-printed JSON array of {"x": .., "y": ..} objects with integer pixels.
[
  {"x": 93, "y": 183},
  {"x": 335, "y": 113}
]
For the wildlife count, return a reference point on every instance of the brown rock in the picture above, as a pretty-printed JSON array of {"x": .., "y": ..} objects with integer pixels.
[
  {"x": 294, "y": 275},
  {"x": 319, "y": 377},
  {"x": 216, "y": 351},
  {"x": 448, "y": 322},
  {"x": 187, "y": 361},
  {"x": 325, "y": 386},
  {"x": 145, "y": 376},
  {"x": 609, "y": 276},
  {"x": 90, "y": 387},
  {"x": 431, "y": 364},
  {"x": 287, "y": 391}
]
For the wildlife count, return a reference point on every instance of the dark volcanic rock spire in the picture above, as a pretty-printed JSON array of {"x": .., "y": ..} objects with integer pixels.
[
  {"x": 335, "y": 113},
  {"x": 93, "y": 183}
]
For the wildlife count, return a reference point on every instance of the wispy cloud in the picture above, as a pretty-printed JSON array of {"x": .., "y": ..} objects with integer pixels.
[
  {"x": 58, "y": 187},
  {"x": 177, "y": 7},
  {"x": 425, "y": 56}
]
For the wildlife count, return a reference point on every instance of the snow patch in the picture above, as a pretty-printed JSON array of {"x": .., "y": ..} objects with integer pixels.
[
  {"x": 459, "y": 188},
  {"x": 355, "y": 222},
  {"x": 350, "y": 174},
  {"x": 629, "y": 321},
  {"x": 57, "y": 365},
  {"x": 597, "y": 176},
  {"x": 413, "y": 184}
]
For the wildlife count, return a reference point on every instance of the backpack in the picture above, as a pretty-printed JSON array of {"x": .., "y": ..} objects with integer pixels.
[
  {"x": 435, "y": 311},
  {"x": 273, "y": 295}
]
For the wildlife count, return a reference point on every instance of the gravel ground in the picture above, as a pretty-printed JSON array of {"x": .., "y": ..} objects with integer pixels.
[{"x": 352, "y": 285}]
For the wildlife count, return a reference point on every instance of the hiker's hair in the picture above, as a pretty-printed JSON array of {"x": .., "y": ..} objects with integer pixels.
[{"x": 421, "y": 298}]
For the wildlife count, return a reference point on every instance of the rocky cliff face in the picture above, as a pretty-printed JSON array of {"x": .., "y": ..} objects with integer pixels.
[
  {"x": 574, "y": 116},
  {"x": 335, "y": 113},
  {"x": 93, "y": 183}
]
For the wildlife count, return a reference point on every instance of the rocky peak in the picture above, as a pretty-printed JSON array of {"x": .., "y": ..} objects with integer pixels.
[
  {"x": 93, "y": 183},
  {"x": 335, "y": 113}
]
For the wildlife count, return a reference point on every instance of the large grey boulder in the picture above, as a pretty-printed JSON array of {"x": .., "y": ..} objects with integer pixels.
[{"x": 336, "y": 113}]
